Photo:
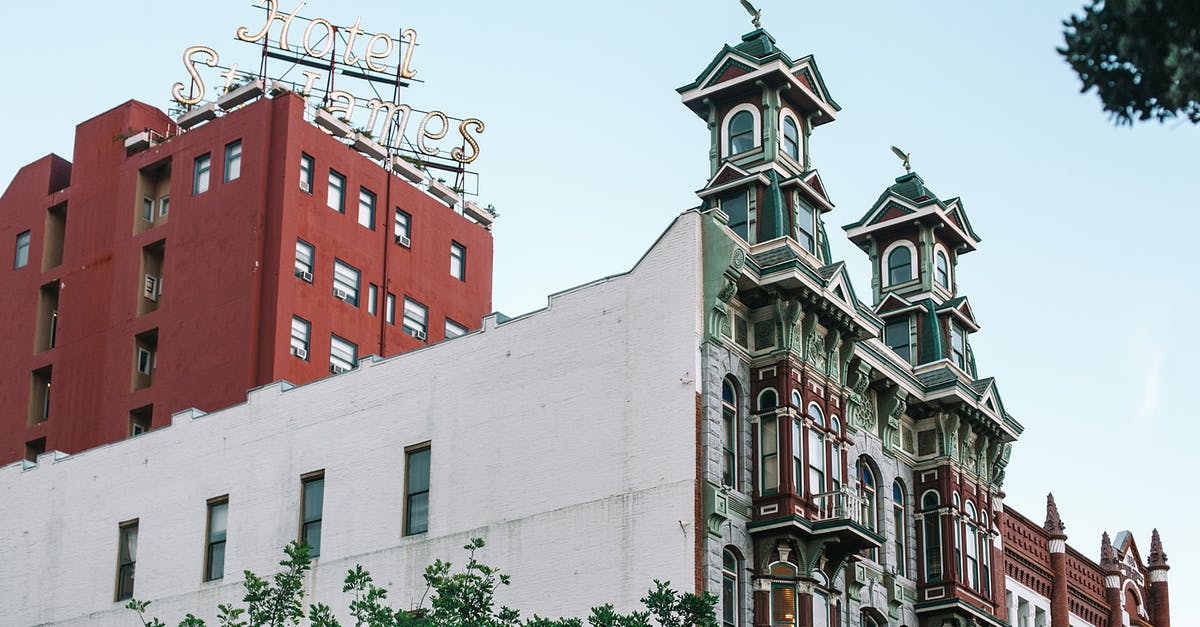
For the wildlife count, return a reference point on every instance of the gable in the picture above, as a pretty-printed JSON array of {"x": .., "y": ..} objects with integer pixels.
[
  {"x": 955, "y": 216},
  {"x": 727, "y": 174},
  {"x": 731, "y": 70},
  {"x": 893, "y": 211},
  {"x": 892, "y": 302}
]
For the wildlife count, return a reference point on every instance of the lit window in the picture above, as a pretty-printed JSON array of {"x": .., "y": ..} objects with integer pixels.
[
  {"x": 806, "y": 225},
  {"x": 458, "y": 261},
  {"x": 372, "y": 294},
  {"x": 730, "y": 590},
  {"x": 300, "y": 334},
  {"x": 816, "y": 456},
  {"x": 729, "y": 423},
  {"x": 233, "y": 161},
  {"x": 416, "y": 491},
  {"x": 897, "y": 336},
  {"x": 958, "y": 346},
  {"x": 454, "y": 329},
  {"x": 126, "y": 558},
  {"x": 736, "y": 205},
  {"x": 147, "y": 209},
  {"x": 304, "y": 260},
  {"x": 900, "y": 527},
  {"x": 312, "y": 499},
  {"x": 21, "y": 259},
  {"x": 337, "y": 192},
  {"x": 343, "y": 354},
  {"x": 366, "y": 208},
  {"x": 791, "y": 138},
  {"x": 200, "y": 174},
  {"x": 402, "y": 228},
  {"x": 768, "y": 444},
  {"x": 389, "y": 311},
  {"x": 214, "y": 552},
  {"x": 942, "y": 269},
  {"x": 306, "y": 173},
  {"x": 899, "y": 263},
  {"x": 741, "y": 132},
  {"x": 783, "y": 605},
  {"x": 345, "y": 282},
  {"x": 415, "y": 318},
  {"x": 932, "y": 532}
]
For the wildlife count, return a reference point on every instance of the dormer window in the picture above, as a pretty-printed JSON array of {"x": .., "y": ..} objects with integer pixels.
[
  {"x": 791, "y": 138},
  {"x": 899, "y": 265},
  {"x": 941, "y": 270},
  {"x": 741, "y": 132}
]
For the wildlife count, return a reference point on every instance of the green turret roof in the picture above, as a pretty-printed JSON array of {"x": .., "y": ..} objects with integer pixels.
[
  {"x": 912, "y": 187},
  {"x": 758, "y": 44}
]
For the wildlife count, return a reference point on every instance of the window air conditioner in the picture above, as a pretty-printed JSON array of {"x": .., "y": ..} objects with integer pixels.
[
  {"x": 302, "y": 353},
  {"x": 419, "y": 334},
  {"x": 306, "y": 276},
  {"x": 306, "y": 187},
  {"x": 150, "y": 288},
  {"x": 403, "y": 241},
  {"x": 340, "y": 293},
  {"x": 336, "y": 369}
]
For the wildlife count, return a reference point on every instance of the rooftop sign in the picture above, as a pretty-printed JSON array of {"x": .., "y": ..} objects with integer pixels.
[{"x": 323, "y": 50}]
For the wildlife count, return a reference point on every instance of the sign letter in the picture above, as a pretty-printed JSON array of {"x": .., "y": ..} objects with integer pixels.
[
  {"x": 406, "y": 70},
  {"x": 423, "y": 132},
  {"x": 373, "y": 54},
  {"x": 177, "y": 88},
  {"x": 348, "y": 57},
  {"x": 458, "y": 154},
  {"x": 308, "y": 37}
]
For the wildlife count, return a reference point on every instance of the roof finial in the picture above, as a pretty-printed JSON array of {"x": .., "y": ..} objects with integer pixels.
[
  {"x": 1158, "y": 557},
  {"x": 755, "y": 14},
  {"x": 1054, "y": 524},
  {"x": 1108, "y": 555},
  {"x": 903, "y": 157}
]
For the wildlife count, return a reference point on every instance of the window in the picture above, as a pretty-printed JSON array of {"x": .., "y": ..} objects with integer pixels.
[
  {"x": 372, "y": 294},
  {"x": 783, "y": 604},
  {"x": 791, "y": 138},
  {"x": 816, "y": 453},
  {"x": 312, "y": 498},
  {"x": 126, "y": 558},
  {"x": 958, "y": 344},
  {"x": 21, "y": 259},
  {"x": 300, "y": 335},
  {"x": 233, "y": 161},
  {"x": 343, "y": 355},
  {"x": 798, "y": 456},
  {"x": 897, "y": 335},
  {"x": 306, "y": 173},
  {"x": 899, "y": 263},
  {"x": 806, "y": 225},
  {"x": 200, "y": 174},
  {"x": 985, "y": 544},
  {"x": 767, "y": 400},
  {"x": 147, "y": 209},
  {"x": 820, "y": 604},
  {"x": 366, "y": 208},
  {"x": 402, "y": 228},
  {"x": 145, "y": 361},
  {"x": 454, "y": 329},
  {"x": 768, "y": 445},
  {"x": 140, "y": 420},
  {"x": 736, "y": 205},
  {"x": 389, "y": 311},
  {"x": 942, "y": 269},
  {"x": 337, "y": 192},
  {"x": 958, "y": 558},
  {"x": 415, "y": 317},
  {"x": 416, "y": 491},
  {"x": 214, "y": 544},
  {"x": 900, "y": 526},
  {"x": 345, "y": 282},
  {"x": 867, "y": 495},
  {"x": 729, "y": 431},
  {"x": 458, "y": 261},
  {"x": 164, "y": 205},
  {"x": 741, "y": 132},
  {"x": 970, "y": 538},
  {"x": 835, "y": 454},
  {"x": 932, "y": 536},
  {"x": 304, "y": 260},
  {"x": 730, "y": 590}
]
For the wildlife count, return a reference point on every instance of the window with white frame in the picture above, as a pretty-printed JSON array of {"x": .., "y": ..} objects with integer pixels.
[
  {"x": 741, "y": 132},
  {"x": 21, "y": 258},
  {"x": 416, "y": 490},
  {"x": 389, "y": 309},
  {"x": 868, "y": 495},
  {"x": 458, "y": 261},
  {"x": 200, "y": 171},
  {"x": 454, "y": 329},
  {"x": 970, "y": 538},
  {"x": 816, "y": 451},
  {"x": 730, "y": 589},
  {"x": 372, "y": 295},
  {"x": 985, "y": 545},
  {"x": 345, "y": 282},
  {"x": 958, "y": 345},
  {"x": 147, "y": 209},
  {"x": 402, "y": 228},
  {"x": 791, "y": 138},
  {"x": 336, "y": 198},
  {"x": 768, "y": 445},
  {"x": 300, "y": 335},
  {"x": 233, "y": 160},
  {"x": 835, "y": 454},
  {"x": 806, "y": 225},
  {"x": 343, "y": 354},
  {"x": 306, "y": 172},
  {"x": 900, "y": 527},
  {"x": 366, "y": 208},
  {"x": 164, "y": 204},
  {"x": 931, "y": 531},
  {"x": 899, "y": 265},
  {"x": 416, "y": 318},
  {"x": 941, "y": 269},
  {"x": 304, "y": 260},
  {"x": 798, "y": 456}
]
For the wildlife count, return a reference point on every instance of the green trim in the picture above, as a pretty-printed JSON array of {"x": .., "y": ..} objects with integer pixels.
[{"x": 931, "y": 349}]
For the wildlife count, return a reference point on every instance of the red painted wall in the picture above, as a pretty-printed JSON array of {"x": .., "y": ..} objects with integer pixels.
[{"x": 229, "y": 292}]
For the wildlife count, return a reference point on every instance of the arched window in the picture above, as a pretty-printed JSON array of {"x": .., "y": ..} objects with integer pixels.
[
  {"x": 729, "y": 433},
  {"x": 970, "y": 538},
  {"x": 767, "y": 399},
  {"x": 791, "y": 138},
  {"x": 816, "y": 454},
  {"x": 741, "y": 132},
  {"x": 768, "y": 447},
  {"x": 783, "y": 596},
  {"x": 932, "y": 536},
  {"x": 796, "y": 401},
  {"x": 731, "y": 589},
  {"x": 899, "y": 264},
  {"x": 900, "y": 527},
  {"x": 942, "y": 269},
  {"x": 867, "y": 500}
]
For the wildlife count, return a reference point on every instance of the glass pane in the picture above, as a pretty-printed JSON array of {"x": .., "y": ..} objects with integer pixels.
[
  {"x": 314, "y": 496},
  {"x": 218, "y": 515},
  {"x": 216, "y": 561},
  {"x": 312, "y": 535},
  {"x": 783, "y": 607},
  {"x": 737, "y": 207},
  {"x": 418, "y": 471},
  {"x": 728, "y": 601},
  {"x": 820, "y": 610},
  {"x": 418, "y": 513}
]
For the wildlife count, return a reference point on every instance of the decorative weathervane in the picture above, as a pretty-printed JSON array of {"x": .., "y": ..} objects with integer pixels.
[
  {"x": 903, "y": 157},
  {"x": 755, "y": 14}
]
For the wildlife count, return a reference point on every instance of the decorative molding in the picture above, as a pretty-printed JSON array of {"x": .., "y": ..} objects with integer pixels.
[
  {"x": 1157, "y": 575},
  {"x": 1058, "y": 545}
]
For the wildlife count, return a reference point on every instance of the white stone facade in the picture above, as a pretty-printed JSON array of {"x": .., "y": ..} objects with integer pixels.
[{"x": 566, "y": 438}]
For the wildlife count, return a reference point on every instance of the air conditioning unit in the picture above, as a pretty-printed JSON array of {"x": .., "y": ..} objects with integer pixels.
[
  {"x": 306, "y": 276},
  {"x": 306, "y": 187},
  {"x": 403, "y": 241},
  {"x": 302, "y": 353},
  {"x": 340, "y": 293},
  {"x": 419, "y": 334},
  {"x": 150, "y": 288},
  {"x": 336, "y": 369}
]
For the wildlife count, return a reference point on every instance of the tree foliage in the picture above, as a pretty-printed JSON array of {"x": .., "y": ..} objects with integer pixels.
[
  {"x": 462, "y": 598},
  {"x": 1142, "y": 56}
]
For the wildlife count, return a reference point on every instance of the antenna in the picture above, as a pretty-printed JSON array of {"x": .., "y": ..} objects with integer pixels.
[
  {"x": 755, "y": 14},
  {"x": 903, "y": 157}
]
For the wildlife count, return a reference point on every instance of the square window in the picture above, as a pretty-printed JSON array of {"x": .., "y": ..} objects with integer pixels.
[
  {"x": 345, "y": 282},
  {"x": 306, "y": 173},
  {"x": 337, "y": 192},
  {"x": 366, "y": 208},
  {"x": 415, "y": 318},
  {"x": 343, "y": 354},
  {"x": 312, "y": 501},
  {"x": 454, "y": 329},
  {"x": 304, "y": 260},
  {"x": 233, "y": 161},
  {"x": 200, "y": 174},
  {"x": 21, "y": 259},
  {"x": 458, "y": 261}
]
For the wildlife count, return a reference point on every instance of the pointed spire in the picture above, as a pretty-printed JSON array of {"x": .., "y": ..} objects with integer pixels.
[
  {"x": 1054, "y": 524},
  {"x": 1157, "y": 556},
  {"x": 1108, "y": 555}
]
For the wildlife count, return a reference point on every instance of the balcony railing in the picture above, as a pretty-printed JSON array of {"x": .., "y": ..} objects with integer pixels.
[{"x": 838, "y": 505}]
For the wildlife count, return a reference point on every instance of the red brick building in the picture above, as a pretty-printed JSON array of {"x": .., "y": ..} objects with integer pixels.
[{"x": 171, "y": 269}]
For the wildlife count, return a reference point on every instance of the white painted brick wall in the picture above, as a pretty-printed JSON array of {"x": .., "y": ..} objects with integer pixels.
[{"x": 566, "y": 438}]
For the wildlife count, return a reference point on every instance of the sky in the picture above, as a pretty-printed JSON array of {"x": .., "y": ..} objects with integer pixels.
[{"x": 588, "y": 155}]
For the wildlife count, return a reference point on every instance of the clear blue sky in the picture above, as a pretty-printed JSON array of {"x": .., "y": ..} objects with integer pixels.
[{"x": 588, "y": 155}]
